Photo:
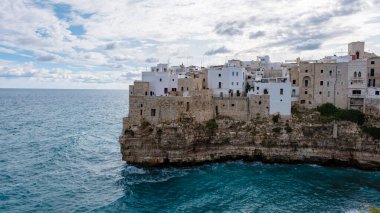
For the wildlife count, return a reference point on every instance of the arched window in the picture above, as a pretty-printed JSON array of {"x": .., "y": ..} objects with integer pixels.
[
  {"x": 355, "y": 74},
  {"x": 220, "y": 85},
  {"x": 360, "y": 74},
  {"x": 357, "y": 54},
  {"x": 265, "y": 91},
  {"x": 281, "y": 91}
]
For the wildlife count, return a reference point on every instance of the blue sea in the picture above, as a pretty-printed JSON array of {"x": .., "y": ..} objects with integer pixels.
[{"x": 59, "y": 152}]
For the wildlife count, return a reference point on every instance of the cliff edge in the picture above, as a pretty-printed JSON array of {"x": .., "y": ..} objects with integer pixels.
[{"x": 297, "y": 140}]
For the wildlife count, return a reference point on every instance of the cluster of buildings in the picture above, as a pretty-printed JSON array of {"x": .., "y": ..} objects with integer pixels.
[{"x": 245, "y": 90}]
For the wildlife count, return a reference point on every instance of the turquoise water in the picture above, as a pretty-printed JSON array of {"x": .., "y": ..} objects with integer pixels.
[{"x": 59, "y": 152}]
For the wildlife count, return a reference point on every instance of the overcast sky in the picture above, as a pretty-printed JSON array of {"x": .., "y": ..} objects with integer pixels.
[{"x": 106, "y": 44}]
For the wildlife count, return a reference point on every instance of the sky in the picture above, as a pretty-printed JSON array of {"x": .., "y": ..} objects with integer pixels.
[{"x": 100, "y": 44}]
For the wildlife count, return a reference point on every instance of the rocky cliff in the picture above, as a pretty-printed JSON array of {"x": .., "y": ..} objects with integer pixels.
[{"x": 289, "y": 141}]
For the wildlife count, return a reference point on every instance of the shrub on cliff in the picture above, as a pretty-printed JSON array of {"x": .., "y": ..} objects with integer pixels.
[
  {"x": 276, "y": 118},
  {"x": 351, "y": 115},
  {"x": 145, "y": 124},
  {"x": 211, "y": 124},
  {"x": 327, "y": 109},
  {"x": 374, "y": 132},
  {"x": 331, "y": 112}
]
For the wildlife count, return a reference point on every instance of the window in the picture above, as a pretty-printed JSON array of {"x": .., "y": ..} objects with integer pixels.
[
  {"x": 355, "y": 74},
  {"x": 220, "y": 75},
  {"x": 237, "y": 83},
  {"x": 153, "y": 112},
  {"x": 164, "y": 69},
  {"x": 187, "y": 88},
  {"x": 233, "y": 73},
  {"x": 265, "y": 91},
  {"x": 220, "y": 85},
  {"x": 330, "y": 73},
  {"x": 294, "y": 81},
  {"x": 328, "y": 93},
  {"x": 141, "y": 105},
  {"x": 306, "y": 83},
  {"x": 374, "y": 82},
  {"x": 232, "y": 105},
  {"x": 174, "y": 89},
  {"x": 232, "y": 83},
  {"x": 321, "y": 83},
  {"x": 320, "y": 93},
  {"x": 305, "y": 92},
  {"x": 356, "y": 92},
  {"x": 321, "y": 71},
  {"x": 257, "y": 88},
  {"x": 182, "y": 89},
  {"x": 165, "y": 90},
  {"x": 204, "y": 80},
  {"x": 237, "y": 73},
  {"x": 281, "y": 91},
  {"x": 259, "y": 102},
  {"x": 306, "y": 71},
  {"x": 302, "y": 101},
  {"x": 357, "y": 54},
  {"x": 360, "y": 74},
  {"x": 160, "y": 79},
  {"x": 328, "y": 84},
  {"x": 146, "y": 93},
  {"x": 187, "y": 106},
  {"x": 377, "y": 93},
  {"x": 372, "y": 72},
  {"x": 140, "y": 111},
  {"x": 372, "y": 62},
  {"x": 172, "y": 79}
]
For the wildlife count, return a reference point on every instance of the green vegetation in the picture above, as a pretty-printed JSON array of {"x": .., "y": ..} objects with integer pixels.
[
  {"x": 211, "y": 124},
  {"x": 374, "y": 132},
  {"x": 145, "y": 124},
  {"x": 159, "y": 131},
  {"x": 330, "y": 112},
  {"x": 288, "y": 129},
  {"x": 248, "y": 88},
  {"x": 276, "y": 118},
  {"x": 276, "y": 129}
]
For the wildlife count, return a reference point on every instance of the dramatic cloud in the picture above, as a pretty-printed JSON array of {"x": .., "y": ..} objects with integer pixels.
[
  {"x": 46, "y": 58},
  {"x": 151, "y": 60},
  {"x": 230, "y": 28},
  {"x": 95, "y": 39},
  {"x": 216, "y": 51},
  {"x": 257, "y": 34}
]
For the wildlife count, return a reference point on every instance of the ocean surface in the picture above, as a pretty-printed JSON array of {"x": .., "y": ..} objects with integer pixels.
[{"x": 59, "y": 152}]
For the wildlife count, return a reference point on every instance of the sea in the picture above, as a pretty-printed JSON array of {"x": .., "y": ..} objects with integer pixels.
[{"x": 59, "y": 152}]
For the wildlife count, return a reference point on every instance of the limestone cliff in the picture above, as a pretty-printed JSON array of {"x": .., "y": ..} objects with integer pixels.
[{"x": 293, "y": 141}]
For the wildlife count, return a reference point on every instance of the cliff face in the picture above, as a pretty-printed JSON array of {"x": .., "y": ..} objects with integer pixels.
[{"x": 188, "y": 143}]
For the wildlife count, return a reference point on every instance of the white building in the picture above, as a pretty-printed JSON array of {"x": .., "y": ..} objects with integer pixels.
[
  {"x": 279, "y": 91},
  {"x": 161, "y": 80},
  {"x": 226, "y": 81}
]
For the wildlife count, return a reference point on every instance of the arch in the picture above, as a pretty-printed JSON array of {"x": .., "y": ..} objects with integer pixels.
[
  {"x": 306, "y": 81},
  {"x": 357, "y": 55},
  {"x": 360, "y": 74},
  {"x": 266, "y": 91},
  {"x": 355, "y": 74}
]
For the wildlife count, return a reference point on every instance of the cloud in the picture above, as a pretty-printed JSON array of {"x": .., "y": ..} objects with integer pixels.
[
  {"x": 151, "y": 60},
  {"x": 77, "y": 35},
  {"x": 216, "y": 51},
  {"x": 257, "y": 34},
  {"x": 230, "y": 28},
  {"x": 46, "y": 58},
  {"x": 309, "y": 45},
  {"x": 110, "y": 46}
]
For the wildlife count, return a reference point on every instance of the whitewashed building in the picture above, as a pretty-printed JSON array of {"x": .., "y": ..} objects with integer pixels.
[
  {"x": 226, "y": 80},
  {"x": 279, "y": 91}
]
